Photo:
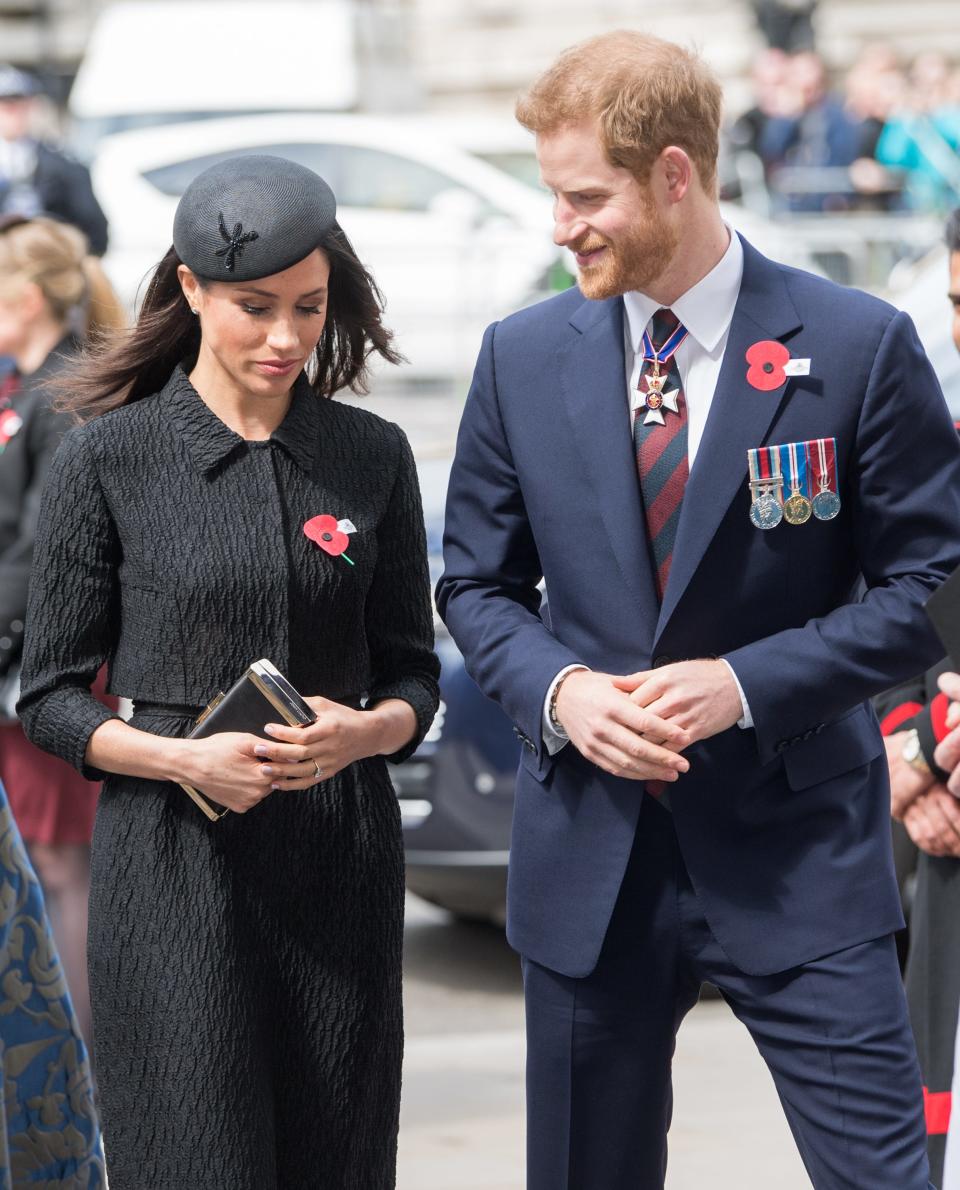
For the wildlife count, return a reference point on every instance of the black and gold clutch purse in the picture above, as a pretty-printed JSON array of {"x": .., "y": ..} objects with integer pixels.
[{"x": 260, "y": 696}]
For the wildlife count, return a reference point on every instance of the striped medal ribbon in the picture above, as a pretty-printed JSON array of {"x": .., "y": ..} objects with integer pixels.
[{"x": 766, "y": 487}]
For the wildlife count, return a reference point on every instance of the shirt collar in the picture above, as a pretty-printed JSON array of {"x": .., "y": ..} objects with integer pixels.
[
  {"x": 210, "y": 441},
  {"x": 706, "y": 310}
]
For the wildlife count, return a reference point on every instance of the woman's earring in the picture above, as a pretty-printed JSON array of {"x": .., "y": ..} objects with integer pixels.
[{"x": 193, "y": 311}]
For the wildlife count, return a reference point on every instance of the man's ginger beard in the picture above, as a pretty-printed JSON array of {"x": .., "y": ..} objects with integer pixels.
[{"x": 633, "y": 261}]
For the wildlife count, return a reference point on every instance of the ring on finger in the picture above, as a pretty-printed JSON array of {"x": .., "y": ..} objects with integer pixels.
[{"x": 318, "y": 768}]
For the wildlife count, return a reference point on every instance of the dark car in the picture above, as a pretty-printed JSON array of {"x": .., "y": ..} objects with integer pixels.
[{"x": 456, "y": 791}]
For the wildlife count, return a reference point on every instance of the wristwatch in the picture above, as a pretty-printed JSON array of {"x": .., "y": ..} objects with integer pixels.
[
  {"x": 555, "y": 723},
  {"x": 913, "y": 755}
]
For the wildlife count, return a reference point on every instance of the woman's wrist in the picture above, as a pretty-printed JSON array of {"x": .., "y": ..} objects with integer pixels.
[
  {"x": 176, "y": 758},
  {"x": 391, "y": 725}
]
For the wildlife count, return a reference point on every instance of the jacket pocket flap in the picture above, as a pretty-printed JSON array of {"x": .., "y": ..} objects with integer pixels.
[{"x": 841, "y": 746}]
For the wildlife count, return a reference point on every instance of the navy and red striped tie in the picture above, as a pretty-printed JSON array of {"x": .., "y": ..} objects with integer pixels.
[{"x": 661, "y": 451}]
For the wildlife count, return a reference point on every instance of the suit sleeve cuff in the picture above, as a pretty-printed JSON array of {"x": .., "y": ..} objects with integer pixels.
[
  {"x": 746, "y": 719},
  {"x": 554, "y": 740}
]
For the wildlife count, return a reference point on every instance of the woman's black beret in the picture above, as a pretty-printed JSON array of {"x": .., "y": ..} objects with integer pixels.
[{"x": 251, "y": 217}]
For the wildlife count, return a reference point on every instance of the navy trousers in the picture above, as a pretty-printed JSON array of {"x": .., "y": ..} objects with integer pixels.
[{"x": 834, "y": 1033}]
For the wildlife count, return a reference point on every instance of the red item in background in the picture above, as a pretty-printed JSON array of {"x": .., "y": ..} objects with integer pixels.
[
  {"x": 938, "y": 716},
  {"x": 892, "y": 721},
  {"x": 51, "y": 802},
  {"x": 936, "y": 1110}
]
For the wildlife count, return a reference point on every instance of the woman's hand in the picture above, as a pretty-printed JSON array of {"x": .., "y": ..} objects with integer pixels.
[
  {"x": 225, "y": 767},
  {"x": 302, "y": 756}
]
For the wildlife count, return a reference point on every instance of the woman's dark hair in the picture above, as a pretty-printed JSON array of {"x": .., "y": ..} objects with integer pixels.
[
  {"x": 126, "y": 366},
  {"x": 953, "y": 231}
]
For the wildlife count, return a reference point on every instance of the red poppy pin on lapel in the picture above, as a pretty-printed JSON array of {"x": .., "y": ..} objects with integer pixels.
[
  {"x": 330, "y": 535},
  {"x": 770, "y": 365}
]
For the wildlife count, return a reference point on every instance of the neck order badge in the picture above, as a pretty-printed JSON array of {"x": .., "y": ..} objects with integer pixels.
[{"x": 655, "y": 399}]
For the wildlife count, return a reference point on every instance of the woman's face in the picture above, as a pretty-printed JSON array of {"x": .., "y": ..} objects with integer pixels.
[
  {"x": 19, "y": 309},
  {"x": 261, "y": 333}
]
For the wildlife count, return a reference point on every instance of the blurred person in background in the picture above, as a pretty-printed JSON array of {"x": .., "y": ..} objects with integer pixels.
[
  {"x": 815, "y": 135},
  {"x": 53, "y": 295},
  {"x": 786, "y": 25},
  {"x": 36, "y": 178},
  {"x": 769, "y": 75},
  {"x": 914, "y": 720},
  {"x": 922, "y": 135},
  {"x": 875, "y": 87}
]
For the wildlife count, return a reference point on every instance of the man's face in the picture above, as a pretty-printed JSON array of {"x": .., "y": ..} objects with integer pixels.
[
  {"x": 619, "y": 235},
  {"x": 15, "y": 118},
  {"x": 954, "y": 296}
]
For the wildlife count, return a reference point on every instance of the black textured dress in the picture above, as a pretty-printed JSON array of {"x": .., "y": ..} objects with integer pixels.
[{"x": 245, "y": 974}]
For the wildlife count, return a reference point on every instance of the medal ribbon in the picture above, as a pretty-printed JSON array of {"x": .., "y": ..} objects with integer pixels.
[
  {"x": 793, "y": 457},
  {"x": 764, "y": 465},
  {"x": 753, "y": 464},
  {"x": 668, "y": 349},
  {"x": 826, "y": 465}
]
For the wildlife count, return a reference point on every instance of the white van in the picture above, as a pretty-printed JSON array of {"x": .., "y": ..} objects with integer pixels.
[{"x": 151, "y": 62}]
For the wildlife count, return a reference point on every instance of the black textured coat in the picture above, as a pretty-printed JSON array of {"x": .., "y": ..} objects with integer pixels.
[
  {"x": 65, "y": 191},
  {"x": 245, "y": 974}
]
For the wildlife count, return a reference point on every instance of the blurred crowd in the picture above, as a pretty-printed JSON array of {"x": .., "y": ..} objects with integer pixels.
[{"x": 885, "y": 137}]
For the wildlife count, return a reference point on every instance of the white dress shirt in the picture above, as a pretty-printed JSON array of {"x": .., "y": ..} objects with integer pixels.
[{"x": 706, "y": 310}]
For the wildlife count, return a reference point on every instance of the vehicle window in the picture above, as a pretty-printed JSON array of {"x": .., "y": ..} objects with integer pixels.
[
  {"x": 389, "y": 182},
  {"x": 359, "y": 176},
  {"x": 174, "y": 178}
]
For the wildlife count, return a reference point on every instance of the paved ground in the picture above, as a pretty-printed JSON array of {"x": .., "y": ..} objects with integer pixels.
[{"x": 462, "y": 1120}]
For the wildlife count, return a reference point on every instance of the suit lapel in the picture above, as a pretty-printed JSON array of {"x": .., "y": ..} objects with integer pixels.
[
  {"x": 740, "y": 418},
  {"x": 592, "y": 375}
]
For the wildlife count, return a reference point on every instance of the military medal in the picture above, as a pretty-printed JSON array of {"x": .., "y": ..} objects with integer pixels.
[
  {"x": 655, "y": 400},
  {"x": 766, "y": 486},
  {"x": 796, "y": 508},
  {"x": 826, "y": 503}
]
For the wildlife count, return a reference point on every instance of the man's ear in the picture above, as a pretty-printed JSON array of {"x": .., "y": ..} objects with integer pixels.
[{"x": 677, "y": 171}]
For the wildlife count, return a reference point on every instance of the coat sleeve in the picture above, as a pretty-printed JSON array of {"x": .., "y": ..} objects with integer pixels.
[
  {"x": 904, "y": 494},
  {"x": 489, "y": 594},
  {"x": 44, "y": 431},
  {"x": 73, "y": 607},
  {"x": 399, "y": 615}
]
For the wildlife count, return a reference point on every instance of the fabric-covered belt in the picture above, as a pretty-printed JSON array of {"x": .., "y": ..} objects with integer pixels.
[
  {"x": 179, "y": 711},
  {"x": 172, "y": 710}
]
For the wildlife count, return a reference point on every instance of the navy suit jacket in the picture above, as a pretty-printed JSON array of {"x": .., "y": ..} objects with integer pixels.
[{"x": 784, "y": 828}]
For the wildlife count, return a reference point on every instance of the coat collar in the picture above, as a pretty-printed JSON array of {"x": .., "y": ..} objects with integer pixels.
[{"x": 210, "y": 441}]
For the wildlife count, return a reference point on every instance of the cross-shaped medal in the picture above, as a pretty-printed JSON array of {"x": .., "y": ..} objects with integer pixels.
[{"x": 655, "y": 400}]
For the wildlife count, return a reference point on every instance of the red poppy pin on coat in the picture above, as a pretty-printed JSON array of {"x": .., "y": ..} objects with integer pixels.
[
  {"x": 770, "y": 365},
  {"x": 330, "y": 535}
]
